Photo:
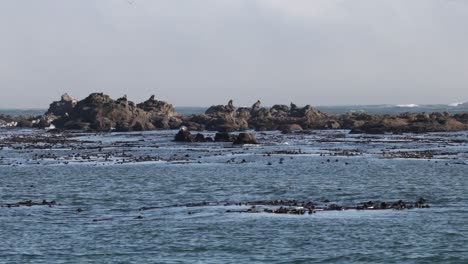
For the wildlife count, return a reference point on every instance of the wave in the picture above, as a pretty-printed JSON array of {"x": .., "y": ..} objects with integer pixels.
[
  {"x": 456, "y": 104},
  {"x": 358, "y": 111},
  {"x": 407, "y": 105}
]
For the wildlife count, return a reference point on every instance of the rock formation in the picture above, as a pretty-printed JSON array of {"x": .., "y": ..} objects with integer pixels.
[
  {"x": 99, "y": 112},
  {"x": 245, "y": 138},
  {"x": 227, "y": 118},
  {"x": 62, "y": 107},
  {"x": 183, "y": 135}
]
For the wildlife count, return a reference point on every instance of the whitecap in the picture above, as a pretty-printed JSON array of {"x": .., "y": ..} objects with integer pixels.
[
  {"x": 456, "y": 104},
  {"x": 50, "y": 127},
  {"x": 407, "y": 105}
]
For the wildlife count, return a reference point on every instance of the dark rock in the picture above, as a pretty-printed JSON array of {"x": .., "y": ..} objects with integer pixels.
[
  {"x": 76, "y": 125},
  {"x": 199, "y": 138},
  {"x": 224, "y": 137},
  {"x": 183, "y": 135},
  {"x": 24, "y": 123},
  {"x": 245, "y": 138},
  {"x": 333, "y": 124}
]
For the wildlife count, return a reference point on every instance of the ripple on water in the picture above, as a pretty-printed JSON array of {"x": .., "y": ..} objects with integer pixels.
[{"x": 112, "y": 194}]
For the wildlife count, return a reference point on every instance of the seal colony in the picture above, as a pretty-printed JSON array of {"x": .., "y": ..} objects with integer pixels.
[{"x": 99, "y": 112}]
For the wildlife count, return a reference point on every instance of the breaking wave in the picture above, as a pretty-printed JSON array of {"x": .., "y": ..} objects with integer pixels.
[{"x": 407, "y": 105}]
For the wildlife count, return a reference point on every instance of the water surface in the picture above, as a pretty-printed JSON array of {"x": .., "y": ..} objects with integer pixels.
[{"x": 111, "y": 192}]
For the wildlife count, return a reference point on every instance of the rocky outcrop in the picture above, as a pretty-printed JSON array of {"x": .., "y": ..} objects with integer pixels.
[
  {"x": 228, "y": 118},
  {"x": 280, "y": 117},
  {"x": 156, "y": 107},
  {"x": 8, "y": 121},
  {"x": 183, "y": 135},
  {"x": 224, "y": 137},
  {"x": 25, "y": 121},
  {"x": 99, "y": 112},
  {"x": 223, "y": 118},
  {"x": 62, "y": 107},
  {"x": 408, "y": 123}
]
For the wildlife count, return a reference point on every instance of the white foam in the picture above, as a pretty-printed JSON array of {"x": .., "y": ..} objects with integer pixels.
[
  {"x": 456, "y": 104},
  {"x": 408, "y": 105}
]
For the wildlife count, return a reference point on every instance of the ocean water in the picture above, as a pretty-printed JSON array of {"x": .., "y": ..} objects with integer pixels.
[
  {"x": 101, "y": 183},
  {"x": 17, "y": 112}
]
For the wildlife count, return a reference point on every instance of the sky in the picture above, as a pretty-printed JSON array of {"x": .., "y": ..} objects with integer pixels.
[{"x": 205, "y": 52}]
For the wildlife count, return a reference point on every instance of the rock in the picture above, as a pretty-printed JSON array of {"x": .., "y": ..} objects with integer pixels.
[
  {"x": 44, "y": 121},
  {"x": 98, "y": 112},
  {"x": 333, "y": 124},
  {"x": 286, "y": 129},
  {"x": 62, "y": 107},
  {"x": 24, "y": 123},
  {"x": 228, "y": 127},
  {"x": 106, "y": 114},
  {"x": 193, "y": 126},
  {"x": 199, "y": 138},
  {"x": 224, "y": 137},
  {"x": 369, "y": 129},
  {"x": 76, "y": 125},
  {"x": 245, "y": 138},
  {"x": 158, "y": 107},
  {"x": 221, "y": 109},
  {"x": 280, "y": 109},
  {"x": 183, "y": 135},
  {"x": 175, "y": 122},
  {"x": 223, "y": 118},
  {"x": 356, "y": 131}
]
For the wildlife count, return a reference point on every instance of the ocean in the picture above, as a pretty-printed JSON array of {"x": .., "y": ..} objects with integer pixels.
[{"x": 139, "y": 197}]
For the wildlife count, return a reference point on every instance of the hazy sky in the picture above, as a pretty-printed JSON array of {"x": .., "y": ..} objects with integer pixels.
[{"x": 204, "y": 52}]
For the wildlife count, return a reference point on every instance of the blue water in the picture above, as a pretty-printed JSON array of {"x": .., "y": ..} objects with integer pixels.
[
  {"x": 17, "y": 112},
  {"x": 111, "y": 191},
  {"x": 392, "y": 109}
]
